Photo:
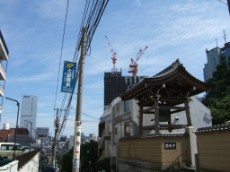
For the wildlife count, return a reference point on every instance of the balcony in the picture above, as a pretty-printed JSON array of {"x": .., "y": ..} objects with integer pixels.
[
  {"x": 1, "y": 91},
  {"x": 2, "y": 73},
  {"x": 3, "y": 48},
  {"x": 101, "y": 143}
]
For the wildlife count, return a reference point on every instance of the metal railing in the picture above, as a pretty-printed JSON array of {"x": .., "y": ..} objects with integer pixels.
[{"x": 177, "y": 164}]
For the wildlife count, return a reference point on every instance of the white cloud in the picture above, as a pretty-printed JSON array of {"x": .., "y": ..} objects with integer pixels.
[{"x": 176, "y": 29}]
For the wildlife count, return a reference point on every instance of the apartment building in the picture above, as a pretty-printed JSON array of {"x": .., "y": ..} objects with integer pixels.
[
  {"x": 214, "y": 57},
  {"x": 4, "y": 52}
]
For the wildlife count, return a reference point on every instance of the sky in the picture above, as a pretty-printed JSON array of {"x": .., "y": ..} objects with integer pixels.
[{"x": 33, "y": 30}]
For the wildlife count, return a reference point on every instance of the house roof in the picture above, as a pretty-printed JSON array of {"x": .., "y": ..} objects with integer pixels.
[{"x": 173, "y": 82}]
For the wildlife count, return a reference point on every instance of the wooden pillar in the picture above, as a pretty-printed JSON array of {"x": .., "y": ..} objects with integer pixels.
[
  {"x": 156, "y": 106},
  {"x": 140, "y": 119},
  {"x": 188, "y": 114}
]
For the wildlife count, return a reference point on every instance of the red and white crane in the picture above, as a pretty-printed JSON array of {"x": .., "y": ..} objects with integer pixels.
[
  {"x": 113, "y": 52},
  {"x": 134, "y": 65}
]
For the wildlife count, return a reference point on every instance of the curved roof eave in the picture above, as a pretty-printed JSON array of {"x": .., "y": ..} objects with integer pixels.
[{"x": 169, "y": 74}]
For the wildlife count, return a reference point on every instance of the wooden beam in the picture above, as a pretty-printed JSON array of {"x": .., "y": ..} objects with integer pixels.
[
  {"x": 156, "y": 114},
  {"x": 173, "y": 99},
  {"x": 151, "y": 110},
  {"x": 176, "y": 111},
  {"x": 165, "y": 127},
  {"x": 140, "y": 120},
  {"x": 188, "y": 115}
]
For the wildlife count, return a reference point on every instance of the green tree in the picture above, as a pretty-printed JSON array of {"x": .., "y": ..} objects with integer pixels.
[
  {"x": 66, "y": 161},
  {"x": 221, "y": 110},
  {"x": 103, "y": 164},
  {"x": 89, "y": 156},
  {"x": 218, "y": 96}
]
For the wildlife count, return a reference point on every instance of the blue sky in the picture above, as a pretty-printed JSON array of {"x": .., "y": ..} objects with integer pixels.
[{"x": 33, "y": 32}]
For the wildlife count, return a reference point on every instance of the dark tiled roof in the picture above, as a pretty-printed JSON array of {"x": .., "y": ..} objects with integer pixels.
[
  {"x": 174, "y": 80},
  {"x": 223, "y": 127}
]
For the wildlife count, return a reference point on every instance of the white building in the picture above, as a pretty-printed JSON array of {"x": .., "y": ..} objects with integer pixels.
[
  {"x": 42, "y": 134},
  {"x": 29, "y": 114},
  {"x": 213, "y": 59},
  {"x": 120, "y": 120},
  {"x": 3, "y": 66}
]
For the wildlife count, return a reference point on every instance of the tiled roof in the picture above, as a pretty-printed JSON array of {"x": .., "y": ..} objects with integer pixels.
[
  {"x": 173, "y": 81},
  {"x": 223, "y": 127}
]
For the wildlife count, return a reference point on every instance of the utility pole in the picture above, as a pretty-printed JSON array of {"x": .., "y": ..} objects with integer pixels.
[
  {"x": 54, "y": 147},
  {"x": 77, "y": 126}
]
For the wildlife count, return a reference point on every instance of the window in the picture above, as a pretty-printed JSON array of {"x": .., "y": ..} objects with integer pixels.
[
  {"x": 115, "y": 130},
  {"x": 127, "y": 128},
  {"x": 117, "y": 109},
  {"x": 3, "y": 147},
  {"x": 127, "y": 106}
]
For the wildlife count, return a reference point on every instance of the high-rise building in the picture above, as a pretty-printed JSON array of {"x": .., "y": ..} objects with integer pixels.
[
  {"x": 214, "y": 57},
  {"x": 226, "y": 53},
  {"x": 29, "y": 114},
  {"x": 115, "y": 84},
  {"x": 3, "y": 64}
]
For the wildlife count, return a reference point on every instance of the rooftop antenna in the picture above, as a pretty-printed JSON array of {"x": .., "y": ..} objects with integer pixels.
[
  {"x": 216, "y": 42},
  {"x": 224, "y": 36}
]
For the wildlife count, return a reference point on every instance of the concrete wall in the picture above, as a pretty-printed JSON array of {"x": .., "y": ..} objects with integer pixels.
[
  {"x": 29, "y": 162},
  {"x": 150, "y": 153},
  {"x": 32, "y": 165},
  {"x": 11, "y": 167},
  {"x": 214, "y": 148}
]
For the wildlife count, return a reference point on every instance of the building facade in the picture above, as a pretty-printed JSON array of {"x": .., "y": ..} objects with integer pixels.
[
  {"x": 214, "y": 57},
  {"x": 29, "y": 114},
  {"x": 4, "y": 52},
  {"x": 115, "y": 84},
  {"x": 42, "y": 134}
]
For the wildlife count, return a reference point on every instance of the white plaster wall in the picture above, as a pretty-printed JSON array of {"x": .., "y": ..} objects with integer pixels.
[
  {"x": 32, "y": 165},
  {"x": 11, "y": 167},
  {"x": 200, "y": 115}
]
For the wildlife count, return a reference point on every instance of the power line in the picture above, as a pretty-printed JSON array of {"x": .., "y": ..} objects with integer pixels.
[
  {"x": 92, "y": 14},
  {"x": 60, "y": 58},
  {"x": 222, "y": 2}
]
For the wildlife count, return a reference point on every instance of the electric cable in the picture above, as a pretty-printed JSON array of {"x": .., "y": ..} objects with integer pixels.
[
  {"x": 60, "y": 58},
  {"x": 92, "y": 14}
]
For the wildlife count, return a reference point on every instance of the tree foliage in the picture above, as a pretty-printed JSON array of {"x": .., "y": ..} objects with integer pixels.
[
  {"x": 103, "y": 164},
  {"x": 218, "y": 97},
  {"x": 66, "y": 161},
  {"x": 89, "y": 156}
]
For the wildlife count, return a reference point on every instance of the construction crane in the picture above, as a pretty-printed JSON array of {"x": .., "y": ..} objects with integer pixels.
[
  {"x": 113, "y": 52},
  {"x": 133, "y": 65}
]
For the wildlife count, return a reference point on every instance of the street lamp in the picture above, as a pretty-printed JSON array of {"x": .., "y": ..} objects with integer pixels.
[{"x": 15, "y": 134}]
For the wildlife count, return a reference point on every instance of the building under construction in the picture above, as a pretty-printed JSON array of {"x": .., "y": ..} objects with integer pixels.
[{"x": 115, "y": 84}]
